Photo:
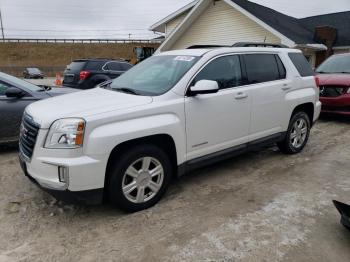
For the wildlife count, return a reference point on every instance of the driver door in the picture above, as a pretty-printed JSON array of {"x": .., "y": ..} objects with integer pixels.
[
  {"x": 218, "y": 121},
  {"x": 11, "y": 111}
]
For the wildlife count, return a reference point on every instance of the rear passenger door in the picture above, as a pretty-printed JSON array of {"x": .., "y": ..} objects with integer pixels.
[{"x": 266, "y": 75}]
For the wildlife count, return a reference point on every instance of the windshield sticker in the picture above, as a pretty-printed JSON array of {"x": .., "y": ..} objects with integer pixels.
[{"x": 184, "y": 58}]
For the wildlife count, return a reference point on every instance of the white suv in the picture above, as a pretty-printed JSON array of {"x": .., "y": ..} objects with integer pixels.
[{"x": 178, "y": 110}]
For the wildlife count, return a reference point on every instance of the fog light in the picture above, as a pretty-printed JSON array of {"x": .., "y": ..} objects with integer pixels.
[{"x": 63, "y": 174}]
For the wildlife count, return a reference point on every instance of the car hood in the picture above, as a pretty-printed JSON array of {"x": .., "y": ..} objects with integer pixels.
[
  {"x": 82, "y": 104},
  {"x": 334, "y": 79}
]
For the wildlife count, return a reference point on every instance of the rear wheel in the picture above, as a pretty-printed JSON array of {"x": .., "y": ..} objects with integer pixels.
[
  {"x": 297, "y": 134},
  {"x": 139, "y": 178}
]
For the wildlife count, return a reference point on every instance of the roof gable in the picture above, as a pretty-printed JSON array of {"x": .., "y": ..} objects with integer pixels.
[
  {"x": 286, "y": 25},
  {"x": 291, "y": 29}
]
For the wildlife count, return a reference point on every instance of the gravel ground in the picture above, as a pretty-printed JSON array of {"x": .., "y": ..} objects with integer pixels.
[{"x": 261, "y": 206}]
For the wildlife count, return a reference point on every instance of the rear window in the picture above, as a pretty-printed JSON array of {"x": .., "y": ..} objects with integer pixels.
[
  {"x": 76, "y": 65},
  {"x": 301, "y": 64},
  {"x": 262, "y": 68}
]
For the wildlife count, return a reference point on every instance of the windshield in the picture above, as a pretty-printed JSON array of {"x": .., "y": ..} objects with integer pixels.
[
  {"x": 335, "y": 64},
  {"x": 155, "y": 75},
  {"x": 19, "y": 82}
]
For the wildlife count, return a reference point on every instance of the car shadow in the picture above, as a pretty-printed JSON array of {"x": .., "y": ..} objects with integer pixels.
[
  {"x": 9, "y": 147},
  {"x": 335, "y": 118}
]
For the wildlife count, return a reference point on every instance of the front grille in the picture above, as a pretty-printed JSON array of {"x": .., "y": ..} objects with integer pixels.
[
  {"x": 28, "y": 134},
  {"x": 332, "y": 91}
]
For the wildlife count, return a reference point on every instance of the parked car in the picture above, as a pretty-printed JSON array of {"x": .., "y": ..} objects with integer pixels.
[
  {"x": 344, "y": 211},
  {"x": 334, "y": 81},
  {"x": 33, "y": 73},
  {"x": 15, "y": 95},
  {"x": 169, "y": 114},
  {"x": 87, "y": 73}
]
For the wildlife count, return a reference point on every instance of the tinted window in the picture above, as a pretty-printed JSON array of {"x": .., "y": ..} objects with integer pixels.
[
  {"x": 14, "y": 81},
  {"x": 281, "y": 67},
  {"x": 335, "y": 64},
  {"x": 301, "y": 64},
  {"x": 94, "y": 65},
  {"x": 3, "y": 88},
  {"x": 76, "y": 66},
  {"x": 113, "y": 66},
  {"x": 125, "y": 66},
  {"x": 261, "y": 68},
  {"x": 225, "y": 70}
]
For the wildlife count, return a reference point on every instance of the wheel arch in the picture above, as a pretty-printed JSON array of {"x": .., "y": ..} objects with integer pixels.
[
  {"x": 163, "y": 141},
  {"x": 308, "y": 108}
]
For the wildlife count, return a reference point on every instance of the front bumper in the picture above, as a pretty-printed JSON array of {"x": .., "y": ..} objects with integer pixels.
[
  {"x": 336, "y": 105},
  {"x": 85, "y": 197}
]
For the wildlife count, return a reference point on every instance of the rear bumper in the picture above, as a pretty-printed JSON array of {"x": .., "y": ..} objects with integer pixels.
[
  {"x": 80, "y": 85},
  {"x": 84, "y": 197}
]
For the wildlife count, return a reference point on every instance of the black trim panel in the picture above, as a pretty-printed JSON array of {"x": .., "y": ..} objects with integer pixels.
[{"x": 228, "y": 153}]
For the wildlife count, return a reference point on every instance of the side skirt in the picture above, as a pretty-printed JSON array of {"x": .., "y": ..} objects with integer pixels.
[{"x": 229, "y": 153}]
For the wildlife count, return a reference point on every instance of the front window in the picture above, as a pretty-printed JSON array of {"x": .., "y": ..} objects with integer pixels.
[
  {"x": 335, "y": 64},
  {"x": 225, "y": 70},
  {"x": 155, "y": 75},
  {"x": 21, "y": 83}
]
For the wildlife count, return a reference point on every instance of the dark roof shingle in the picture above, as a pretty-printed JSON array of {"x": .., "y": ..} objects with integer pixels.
[
  {"x": 301, "y": 31},
  {"x": 340, "y": 21}
]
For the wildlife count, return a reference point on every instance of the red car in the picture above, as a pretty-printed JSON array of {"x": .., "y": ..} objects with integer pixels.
[{"x": 334, "y": 81}]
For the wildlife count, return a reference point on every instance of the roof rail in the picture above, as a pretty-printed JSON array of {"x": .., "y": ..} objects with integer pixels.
[
  {"x": 258, "y": 44},
  {"x": 205, "y": 46}
]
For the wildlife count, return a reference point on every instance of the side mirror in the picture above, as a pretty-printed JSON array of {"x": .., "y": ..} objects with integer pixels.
[
  {"x": 14, "y": 92},
  {"x": 204, "y": 87}
]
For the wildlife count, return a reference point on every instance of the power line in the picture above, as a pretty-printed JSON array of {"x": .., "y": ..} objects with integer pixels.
[{"x": 2, "y": 27}]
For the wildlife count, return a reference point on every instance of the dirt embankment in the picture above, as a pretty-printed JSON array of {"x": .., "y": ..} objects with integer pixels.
[{"x": 51, "y": 57}]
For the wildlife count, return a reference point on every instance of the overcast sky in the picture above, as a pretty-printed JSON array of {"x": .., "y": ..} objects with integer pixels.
[{"x": 117, "y": 18}]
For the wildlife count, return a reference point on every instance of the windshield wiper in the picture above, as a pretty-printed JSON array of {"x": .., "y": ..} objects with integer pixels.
[
  {"x": 44, "y": 88},
  {"x": 126, "y": 90}
]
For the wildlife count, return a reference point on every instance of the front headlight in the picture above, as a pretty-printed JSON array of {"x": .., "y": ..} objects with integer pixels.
[{"x": 66, "y": 133}]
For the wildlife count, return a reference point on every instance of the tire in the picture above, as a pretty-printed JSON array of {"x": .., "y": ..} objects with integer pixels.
[
  {"x": 299, "y": 126},
  {"x": 134, "y": 180}
]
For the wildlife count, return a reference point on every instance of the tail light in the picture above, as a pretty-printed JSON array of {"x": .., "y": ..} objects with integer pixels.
[
  {"x": 317, "y": 81},
  {"x": 84, "y": 74}
]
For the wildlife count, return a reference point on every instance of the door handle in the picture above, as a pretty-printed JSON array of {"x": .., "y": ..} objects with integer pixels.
[
  {"x": 241, "y": 95},
  {"x": 286, "y": 87}
]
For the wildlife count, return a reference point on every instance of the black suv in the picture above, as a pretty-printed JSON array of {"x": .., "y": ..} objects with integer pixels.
[{"x": 87, "y": 73}]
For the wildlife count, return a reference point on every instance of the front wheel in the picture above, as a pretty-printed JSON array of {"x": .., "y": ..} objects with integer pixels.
[
  {"x": 297, "y": 134},
  {"x": 139, "y": 178}
]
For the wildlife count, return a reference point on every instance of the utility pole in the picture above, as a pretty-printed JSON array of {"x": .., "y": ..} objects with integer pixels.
[{"x": 2, "y": 27}]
